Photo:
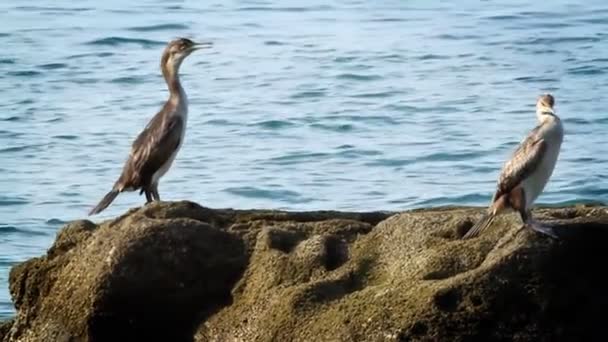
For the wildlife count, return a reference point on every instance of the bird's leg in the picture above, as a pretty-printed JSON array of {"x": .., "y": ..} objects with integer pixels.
[
  {"x": 529, "y": 222},
  {"x": 518, "y": 201},
  {"x": 148, "y": 195},
  {"x": 155, "y": 194},
  {"x": 542, "y": 228}
]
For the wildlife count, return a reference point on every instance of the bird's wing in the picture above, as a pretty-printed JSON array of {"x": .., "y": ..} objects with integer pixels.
[
  {"x": 524, "y": 161},
  {"x": 151, "y": 150}
]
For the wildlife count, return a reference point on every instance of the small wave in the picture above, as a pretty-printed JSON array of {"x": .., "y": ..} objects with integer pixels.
[
  {"x": 273, "y": 124},
  {"x": 358, "y": 77},
  {"x": 6, "y": 263},
  {"x": 127, "y": 80},
  {"x": 345, "y": 59},
  {"x": 254, "y": 192},
  {"x": 55, "y": 9},
  {"x": 13, "y": 118},
  {"x": 159, "y": 27},
  {"x": 7, "y": 61},
  {"x": 53, "y": 66},
  {"x": 116, "y": 41},
  {"x": 572, "y": 202},
  {"x": 463, "y": 200},
  {"x": 297, "y": 157},
  {"x": 8, "y": 229},
  {"x": 557, "y": 40},
  {"x": 9, "y": 134},
  {"x": 532, "y": 79},
  {"x": 274, "y": 43},
  {"x": 13, "y": 149},
  {"x": 308, "y": 94},
  {"x": 66, "y": 137},
  {"x": 55, "y": 221},
  {"x": 369, "y": 119},
  {"x": 599, "y": 60},
  {"x": 601, "y": 21},
  {"x": 351, "y": 152},
  {"x": 504, "y": 17},
  {"x": 586, "y": 70},
  {"x": 545, "y": 25},
  {"x": 392, "y": 162},
  {"x": 334, "y": 128},
  {"x": 447, "y": 36},
  {"x": 392, "y": 20},
  {"x": 430, "y": 57},
  {"x": 601, "y": 120},
  {"x": 445, "y": 156},
  {"x": 377, "y": 95},
  {"x": 97, "y": 54},
  {"x": 221, "y": 122},
  {"x": 8, "y": 201},
  {"x": 392, "y": 58},
  {"x": 24, "y": 73},
  {"x": 55, "y": 119},
  {"x": 576, "y": 121},
  {"x": 284, "y": 9},
  {"x": 591, "y": 191}
]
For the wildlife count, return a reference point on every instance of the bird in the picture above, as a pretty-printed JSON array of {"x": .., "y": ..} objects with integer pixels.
[
  {"x": 154, "y": 149},
  {"x": 526, "y": 173}
]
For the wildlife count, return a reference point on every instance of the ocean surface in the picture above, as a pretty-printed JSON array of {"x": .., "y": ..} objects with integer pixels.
[{"x": 300, "y": 105}]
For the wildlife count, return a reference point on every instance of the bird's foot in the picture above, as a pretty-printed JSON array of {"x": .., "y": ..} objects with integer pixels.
[{"x": 542, "y": 228}]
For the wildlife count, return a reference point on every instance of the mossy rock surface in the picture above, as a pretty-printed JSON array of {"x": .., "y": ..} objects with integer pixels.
[{"x": 177, "y": 271}]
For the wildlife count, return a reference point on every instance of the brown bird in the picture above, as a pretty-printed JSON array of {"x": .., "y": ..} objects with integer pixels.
[
  {"x": 526, "y": 173},
  {"x": 155, "y": 148}
]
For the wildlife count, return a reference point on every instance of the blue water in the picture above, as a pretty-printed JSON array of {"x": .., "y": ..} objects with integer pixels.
[{"x": 301, "y": 105}]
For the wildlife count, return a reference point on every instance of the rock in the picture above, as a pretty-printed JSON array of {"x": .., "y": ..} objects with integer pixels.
[
  {"x": 181, "y": 272},
  {"x": 153, "y": 278},
  {"x": 5, "y": 328}
]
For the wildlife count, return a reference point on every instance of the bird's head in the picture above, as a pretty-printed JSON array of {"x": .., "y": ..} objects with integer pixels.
[
  {"x": 177, "y": 50},
  {"x": 545, "y": 101},
  {"x": 544, "y": 106}
]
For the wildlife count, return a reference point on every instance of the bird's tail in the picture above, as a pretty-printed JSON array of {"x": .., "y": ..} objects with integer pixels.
[
  {"x": 105, "y": 202},
  {"x": 482, "y": 224}
]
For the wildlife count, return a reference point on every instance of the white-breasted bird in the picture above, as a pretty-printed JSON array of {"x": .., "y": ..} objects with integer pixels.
[
  {"x": 525, "y": 174},
  {"x": 154, "y": 149}
]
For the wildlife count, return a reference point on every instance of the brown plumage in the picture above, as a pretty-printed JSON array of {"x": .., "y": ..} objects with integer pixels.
[
  {"x": 525, "y": 174},
  {"x": 154, "y": 149}
]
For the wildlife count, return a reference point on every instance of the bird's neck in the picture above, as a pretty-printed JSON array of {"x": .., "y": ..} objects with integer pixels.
[
  {"x": 176, "y": 93},
  {"x": 545, "y": 114}
]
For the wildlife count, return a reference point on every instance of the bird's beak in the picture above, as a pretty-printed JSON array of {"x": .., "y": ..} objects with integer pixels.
[{"x": 201, "y": 45}]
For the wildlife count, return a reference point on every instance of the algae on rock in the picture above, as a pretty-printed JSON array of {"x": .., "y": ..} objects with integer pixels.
[{"x": 180, "y": 272}]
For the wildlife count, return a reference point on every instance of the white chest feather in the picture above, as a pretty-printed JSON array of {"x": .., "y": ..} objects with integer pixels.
[{"x": 535, "y": 184}]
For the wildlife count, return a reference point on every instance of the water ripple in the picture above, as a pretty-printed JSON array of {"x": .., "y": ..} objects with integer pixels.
[
  {"x": 100, "y": 55},
  {"x": 13, "y": 200},
  {"x": 256, "y": 192},
  {"x": 5, "y": 229},
  {"x": 273, "y": 124},
  {"x": 24, "y": 73},
  {"x": 118, "y": 41},
  {"x": 53, "y": 66},
  {"x": 358, "y": 77},
  {"x": 297, "y": 157},
  {"x": 159, "y": 27}
]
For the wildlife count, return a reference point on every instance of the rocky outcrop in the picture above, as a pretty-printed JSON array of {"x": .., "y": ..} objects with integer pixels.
[{"x": 182, "y": 272}]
